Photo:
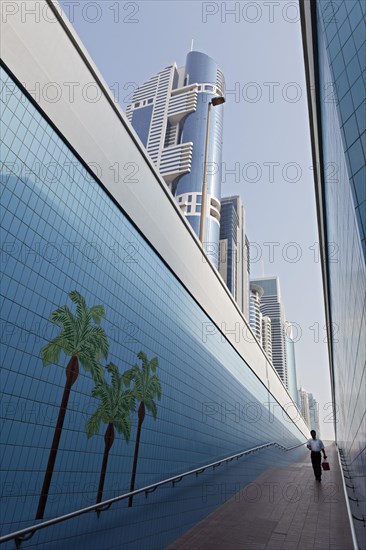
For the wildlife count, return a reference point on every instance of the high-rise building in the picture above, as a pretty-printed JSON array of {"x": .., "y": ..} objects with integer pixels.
[
  {"x": 334, "y": 41},
  {"x": 255, "y": 314},
  {"x": 169, "y": 113},
  {"x": 304, "y": 406},
  {"x": 291, "y": 364},
  {"x": 267, "y": 336},
  {"x": 233, "y": 257},
  {"x": 314, "y": 414},
  {"x": 260, "y": 324},
  {"x": 271, "y": 306}
]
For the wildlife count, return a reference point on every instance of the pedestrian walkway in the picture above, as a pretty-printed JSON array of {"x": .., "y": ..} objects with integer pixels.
[{"x": 283, "y": 509}]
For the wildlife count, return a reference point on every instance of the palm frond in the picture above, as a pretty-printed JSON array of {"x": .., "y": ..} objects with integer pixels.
[
  {"x": 79, "y": 300},
  {"x": 123, "y": 425},
  {"x": 151, "y": 406},
  {"x": 128, "y": 375},
  {"x": 116, "y": 376},
  {"x": 142, "y": 356},
  {"x": 106, "y": 399},
  {"x": 139, "y": 388},
  {"x": 155, "y": 387},
  {"x": 127, "y": 400},
  {"x": 89, "y": 355},
  {"x": 93, "y": 424},
  {"x": 154, "y": 363},
  {"x": 50, "y": 353},
  {"x": 97, "y": 313},
  {"x": 97, "y": 390},
  {"x": 68, "y": 344},
  {"x": 145, "y": 363},
  {"x": 94, "y": 367},
  {"x": 64, "y": 318},
  {"x": 97, "y": 337},
  {"x": 89, "y": 358},
  {"x": 83, "y": 327},
  {"x": 61, "y": 315}
]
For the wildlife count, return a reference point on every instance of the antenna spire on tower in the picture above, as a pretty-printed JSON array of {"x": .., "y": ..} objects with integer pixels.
[{"x": 192, "y": 45}]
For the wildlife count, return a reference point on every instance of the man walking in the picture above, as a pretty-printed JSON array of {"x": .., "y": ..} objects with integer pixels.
[{"x": 316, "y": 447}]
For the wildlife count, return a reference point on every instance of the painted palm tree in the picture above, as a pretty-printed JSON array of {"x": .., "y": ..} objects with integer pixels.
[
  {"x": 114, "y": 409},
  {"x": 146, "y": 388},
  {"x": 84, "y": 342}
]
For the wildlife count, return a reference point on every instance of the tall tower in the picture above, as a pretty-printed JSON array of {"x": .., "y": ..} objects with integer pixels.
[
  {"x": 270, "y": 305},
  {"x": 304, "y": 406},
  {"x": 255, "y": 315},
  {"x": 291, "y": 364},
  {"x": 267, "y": 336},
  {"x": 314, "y": 414},
  {"x": 169, "y": 113},
  {"x": 260, "y": 324},
  {"x": 233, "y": 257}
]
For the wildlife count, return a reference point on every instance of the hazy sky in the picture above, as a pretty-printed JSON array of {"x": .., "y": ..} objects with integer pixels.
[{"x": 267, "y": 156}]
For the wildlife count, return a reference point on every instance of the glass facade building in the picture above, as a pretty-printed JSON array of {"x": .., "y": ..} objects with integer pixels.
[
  {"x": 234, "y": 254},
  {"x": 314, "y": 414},
  {"x": 169, "y": 113},
  {"x": 334, "y": 50},
  {"x": 255, "y": 315},
  {"x": 271, "y": 306},
  {"x": 291, "y": 364},
  {"x": 304, "y": 405},
  {"x": 68, "y": 225},
  {"x": 260, "y": 324}
]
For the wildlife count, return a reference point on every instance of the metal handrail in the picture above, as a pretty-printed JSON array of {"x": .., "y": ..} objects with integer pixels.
[
  {"x": 349, "y": 512},
  {"x": 20, "y": 535}
]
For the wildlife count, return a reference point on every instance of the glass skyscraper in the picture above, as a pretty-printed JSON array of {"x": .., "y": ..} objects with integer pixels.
[
  {"x": 304, "y": 406},
  {"x": 291, "y": 364},
  {"x": 255, "y": 315},
  {"x": 234, "y": 251},
  {"x": 334, "y": 41},
  {"x": 169, "y": 113},
  {"x": 314, "y": 414},
  {"x": 271, "y": 306},
  {"x": 260, "y": 324}
]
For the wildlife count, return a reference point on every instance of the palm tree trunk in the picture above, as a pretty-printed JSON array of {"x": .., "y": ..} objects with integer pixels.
[
  {"x": 108, "y": 442},
  {"x": 141, "y": 416},
  {"x": 72, "y": 372}
]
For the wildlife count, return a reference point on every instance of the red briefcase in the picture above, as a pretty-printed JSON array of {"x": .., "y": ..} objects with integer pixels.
[{"x": 325, "y": 465}]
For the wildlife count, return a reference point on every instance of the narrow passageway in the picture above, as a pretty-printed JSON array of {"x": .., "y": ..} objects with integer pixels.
[{"x": 285, "y": 508}]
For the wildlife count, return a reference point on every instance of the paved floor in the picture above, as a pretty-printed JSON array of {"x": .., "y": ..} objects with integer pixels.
[{"x": 283, "y": 509}]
